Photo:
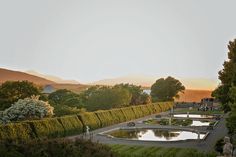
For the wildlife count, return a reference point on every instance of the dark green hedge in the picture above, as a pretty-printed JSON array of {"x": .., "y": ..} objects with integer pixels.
[
  {"x": 117, "y": 115},
  {"x": 75, "y": 124},
  {"x": 71, "y": 124},
  {"x": 49, "y": 127},
  {"x": 16, "y": 132},
  {"x": 105, "y": 118},
  {"x": 128, "y": 113},
  {"x": 90, "y": 119}
]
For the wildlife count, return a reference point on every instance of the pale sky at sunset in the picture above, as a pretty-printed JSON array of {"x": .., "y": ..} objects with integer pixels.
[{"x": 91, "y": 40}]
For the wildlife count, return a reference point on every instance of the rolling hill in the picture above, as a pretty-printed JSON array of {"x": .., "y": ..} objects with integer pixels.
[{"x": 10, "y": 75}]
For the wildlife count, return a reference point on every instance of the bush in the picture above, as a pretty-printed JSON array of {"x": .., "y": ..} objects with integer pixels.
[
  {"x": 56, "y": 148},
  {"x": 117, "y": 115},
  {"x": 28, "y": 108},
  {"x": 157, "y": 107},
  {"x": 137, "y": 111},
  {"x": 49, "y": 128},
  {"x": 16, "y": 132},
  {"x": 129, "y": 113},
  {"x": 62, "y": 110},
  {"x": 90, "y": 119},
  {"x": 72, "y": 125},
  {"x": 105, "y": 118}
]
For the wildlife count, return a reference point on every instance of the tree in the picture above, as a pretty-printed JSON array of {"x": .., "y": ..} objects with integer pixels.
[
  {"x": 138, "y": 96},
  {"x": 12, "y": 91},
  {"x": 227, "y": 77},
  {"x": 65, "y": 97},
  {"x": 28, "y": 108},
  {"x": 166, "y": 89},
  {"x": 99, "y": 97}
]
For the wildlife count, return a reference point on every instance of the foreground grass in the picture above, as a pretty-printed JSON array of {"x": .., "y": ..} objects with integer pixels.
[
  {"x": 142, "y": 151},
  {"x": 195, "y": 111}
]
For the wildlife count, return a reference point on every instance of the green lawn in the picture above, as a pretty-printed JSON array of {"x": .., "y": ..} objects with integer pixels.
[
  {"x": 195, "y": 111},
  {"x": 144, "y": 151}
]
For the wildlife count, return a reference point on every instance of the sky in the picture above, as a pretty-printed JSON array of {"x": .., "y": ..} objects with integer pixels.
[{"x": 91, "y": 40}]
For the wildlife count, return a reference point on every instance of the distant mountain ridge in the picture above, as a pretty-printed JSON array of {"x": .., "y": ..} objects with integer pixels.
[
  {"x": 11, "y": 75},
  {"x": 52, "y": 78}
]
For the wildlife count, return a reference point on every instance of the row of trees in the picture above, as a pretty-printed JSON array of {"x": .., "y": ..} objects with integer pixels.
[{"x": 94, "y": 98}]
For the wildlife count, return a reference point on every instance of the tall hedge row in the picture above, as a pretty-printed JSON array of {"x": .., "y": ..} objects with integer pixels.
[
  {"x": 105, "y": 118},
  {"x": 128, "y": 113},
  {"x": 75, "y": 124},
  {"x": 16, "y": 132},
  {"x": 71, "y": 124},
  {"x": 117, "y": 115},
  {"x": 49, "y": 127},
  {"x": 90, "y": 119}
]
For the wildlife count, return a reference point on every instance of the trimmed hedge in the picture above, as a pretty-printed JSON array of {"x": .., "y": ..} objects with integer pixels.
[
  {"x": 137, "y": 111},
  {"x": 128, "y": 113},
  {"x": 71, "y": 124},
  {"x": 17, "y": 132},
  {"x": 49, "y": 127},
  {"x": 117, "y": 115},
  {"x": 145, "y": 110},
  {"x": 90, "y": 119},
  {"x": 75, "y": 124},
  {"x": 105, "y": 118}
]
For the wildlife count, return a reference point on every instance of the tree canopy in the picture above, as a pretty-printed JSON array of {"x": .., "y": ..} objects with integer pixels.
[
  {"x": 166, "y": 89},
  {"x": 12, "y": 91},
  {"x": 227, "y": 77}
]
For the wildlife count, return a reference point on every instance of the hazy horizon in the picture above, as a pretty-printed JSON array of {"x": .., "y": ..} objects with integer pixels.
[{"x": 89, "y": 41}]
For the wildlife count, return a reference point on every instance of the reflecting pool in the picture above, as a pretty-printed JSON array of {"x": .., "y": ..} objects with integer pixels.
[
  {"x": 192, "y": 116},
  {"x": 155, "y": 134}
]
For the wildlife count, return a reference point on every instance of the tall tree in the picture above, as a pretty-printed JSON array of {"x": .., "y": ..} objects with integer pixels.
[
  {"x": 138, "y": 96},
  {"x": 227, "y": 77},
  {"x": 166, "y": 89},
  {"x": 12, "y": 91}
]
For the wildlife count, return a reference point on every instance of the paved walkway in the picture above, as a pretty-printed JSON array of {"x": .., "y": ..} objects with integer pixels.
[{"x": 203, "y": 145}]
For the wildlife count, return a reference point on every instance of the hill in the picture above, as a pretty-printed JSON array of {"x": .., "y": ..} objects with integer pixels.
[
  {"x": 10, "y": 75},
  {"x": 52, "y": 78},
  {"x": 193, "y": 95}
]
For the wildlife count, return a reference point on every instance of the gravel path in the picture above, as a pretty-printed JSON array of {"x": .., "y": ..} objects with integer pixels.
[{"x": 203, "y": 145}]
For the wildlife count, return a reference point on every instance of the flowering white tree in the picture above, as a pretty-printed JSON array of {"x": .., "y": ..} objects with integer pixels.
[{"x": 28, "y": 108}]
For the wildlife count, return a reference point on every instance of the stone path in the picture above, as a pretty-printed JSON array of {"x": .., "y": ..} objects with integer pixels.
[{"x": 203, "y": 145}]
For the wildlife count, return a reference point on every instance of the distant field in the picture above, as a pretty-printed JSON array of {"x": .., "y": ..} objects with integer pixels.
[
  {"x": 142, "y": 151},
  {"x": 193, "y": 95}
]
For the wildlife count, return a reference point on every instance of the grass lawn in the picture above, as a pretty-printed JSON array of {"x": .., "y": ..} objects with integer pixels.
[
  {"x": 195, "y": 111},
  {"x": 145, "y": 151}
]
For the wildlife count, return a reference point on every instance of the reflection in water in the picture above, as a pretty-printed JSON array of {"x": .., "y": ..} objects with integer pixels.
[
  {"x": 200, "y": 123},
  {"x": 155, "y": 135},
  {"x": 192, "y": 116}
]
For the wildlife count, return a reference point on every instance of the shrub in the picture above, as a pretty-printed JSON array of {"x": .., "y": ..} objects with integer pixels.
[
  {"x": 137, "y": 111},
  {"x": 105, "y": 118},
  {"x": 48, "y": 128},
  {"x": 62, "y": 110},
  {"x": 145, "y": 110},
  {"x": 129, "y": 113},
  {"x": 117, "y": 115},
  {"x": 71, "y": 124},
  {"x": 16, "y": 132},
  {"x": 157, "y": 107},
  {"x": 90, "y": 119},
  {"x": 56, "y": 148},
  {"x": 28, "y": 108}
]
